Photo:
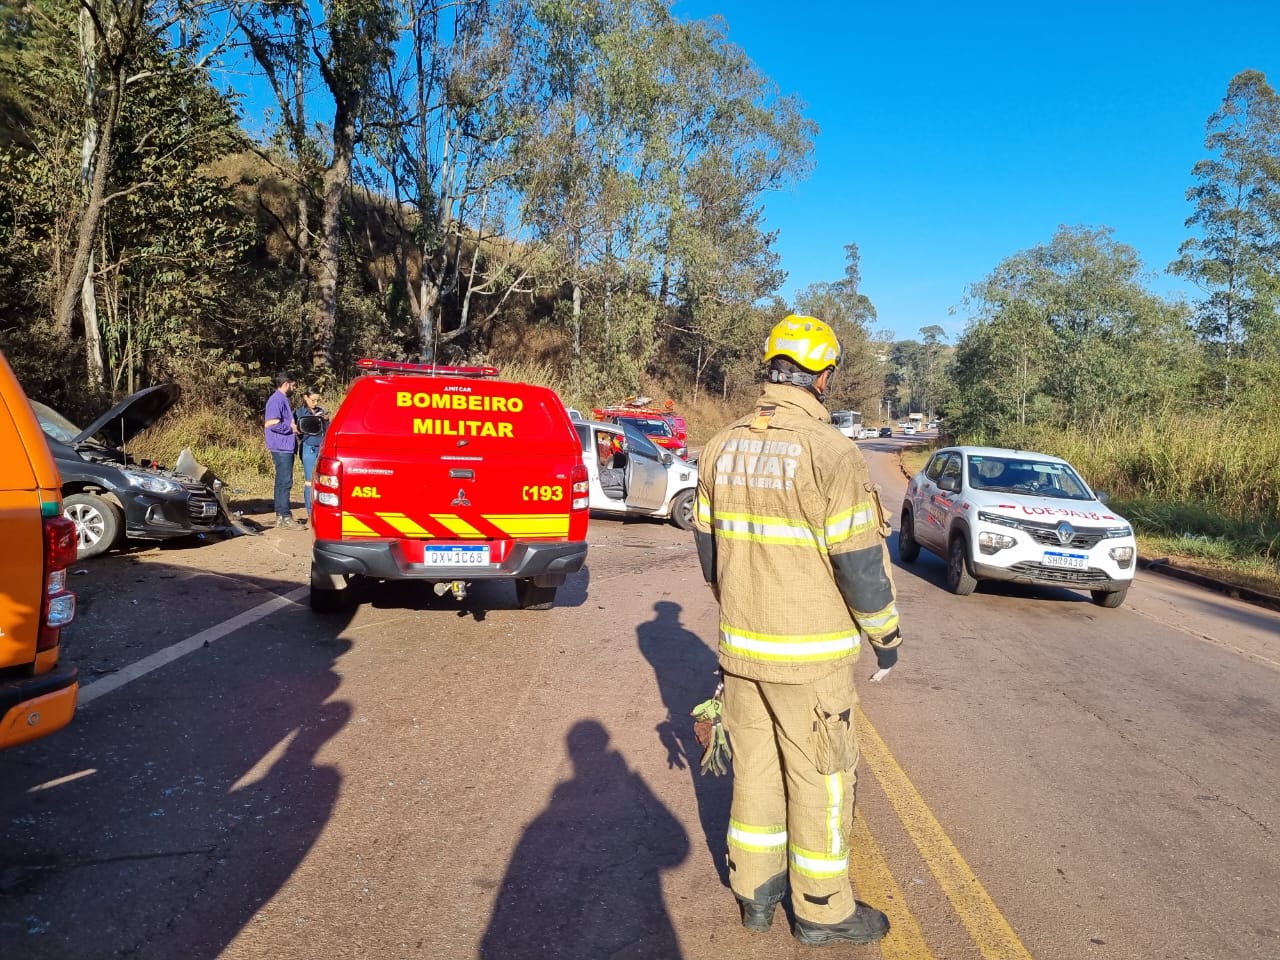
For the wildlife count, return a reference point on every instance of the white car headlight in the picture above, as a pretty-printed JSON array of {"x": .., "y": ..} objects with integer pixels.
[
  {"x": 1122, "y": 556},
  {"x": 152, "y": 483},
  {"x": 990, "y": 543}
]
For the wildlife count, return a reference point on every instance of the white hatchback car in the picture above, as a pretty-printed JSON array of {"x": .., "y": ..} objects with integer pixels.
[
  {"x": 996, "y": 514},
  {"x": 631, "y": 476}
]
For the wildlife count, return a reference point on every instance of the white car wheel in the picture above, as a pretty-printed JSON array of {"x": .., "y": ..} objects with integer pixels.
[{"x": 98, "y": 522}]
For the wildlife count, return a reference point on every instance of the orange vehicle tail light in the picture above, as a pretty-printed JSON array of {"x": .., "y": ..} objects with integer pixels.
[{"x": 58, "y": 604}]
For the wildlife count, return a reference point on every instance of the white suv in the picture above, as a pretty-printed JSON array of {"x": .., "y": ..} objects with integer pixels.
[{"x": 996, "y": 514}]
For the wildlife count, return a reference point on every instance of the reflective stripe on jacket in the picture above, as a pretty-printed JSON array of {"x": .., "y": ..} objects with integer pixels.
[{"x": 782, "y": 492}]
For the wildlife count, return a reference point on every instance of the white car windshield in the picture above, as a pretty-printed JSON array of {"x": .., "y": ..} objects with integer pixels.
[{"x": 1033, "y": 478}]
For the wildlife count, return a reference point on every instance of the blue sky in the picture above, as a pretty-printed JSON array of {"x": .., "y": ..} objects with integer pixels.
[{"x": 954, "y": 135}]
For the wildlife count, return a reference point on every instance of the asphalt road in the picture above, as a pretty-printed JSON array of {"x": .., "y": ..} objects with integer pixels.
[{"x": 422, "y": 778}]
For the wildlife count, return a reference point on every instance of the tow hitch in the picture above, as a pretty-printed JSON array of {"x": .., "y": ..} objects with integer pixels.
[{"x": 459, "y": 588}]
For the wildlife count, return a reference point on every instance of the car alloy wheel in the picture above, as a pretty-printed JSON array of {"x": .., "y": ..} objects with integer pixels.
[{"x": 97, "y": 523}]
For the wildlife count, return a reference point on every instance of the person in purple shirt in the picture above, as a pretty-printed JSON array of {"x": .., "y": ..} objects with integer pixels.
[{"x": 282, "y": 441}]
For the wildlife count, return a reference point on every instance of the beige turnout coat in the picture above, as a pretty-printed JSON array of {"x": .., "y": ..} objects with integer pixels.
[{"x": 800, "y": 562}]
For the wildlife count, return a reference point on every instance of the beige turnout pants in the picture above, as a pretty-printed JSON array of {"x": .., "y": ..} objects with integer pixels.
[{"x": 794, "y": 779}]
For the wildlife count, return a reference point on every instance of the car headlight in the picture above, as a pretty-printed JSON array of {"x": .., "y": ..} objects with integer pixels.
[
  {"x": 152, "y": 483},
  {"x": 990, "y": 543},
  {"x": 1123, "y": 556}
]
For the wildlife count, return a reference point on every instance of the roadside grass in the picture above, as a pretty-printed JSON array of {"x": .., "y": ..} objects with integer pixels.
[
  {"x": 222, "y": 439},
  {"x": 1202, "y": 492},
  {"x": 915, "y": 457}
]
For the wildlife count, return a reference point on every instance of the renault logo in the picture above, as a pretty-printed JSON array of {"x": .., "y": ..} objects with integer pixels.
[
  {"x": 461, "y": 501},
  {"x": 1065, "y": 533}
]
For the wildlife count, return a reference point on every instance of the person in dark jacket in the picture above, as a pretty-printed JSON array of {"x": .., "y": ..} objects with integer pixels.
[{"x": 312, "y": 421}]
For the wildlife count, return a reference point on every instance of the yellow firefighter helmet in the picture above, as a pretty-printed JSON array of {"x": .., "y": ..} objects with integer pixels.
[{"x": 807, "y": 341}]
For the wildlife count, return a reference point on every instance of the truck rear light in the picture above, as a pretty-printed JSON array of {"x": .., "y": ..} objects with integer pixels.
[
  {"x": 58, "y": 605},
  {"x": 60, "y": 543},
  {"x": 327, "y": 482},
  {"x": 581, "y": 487},
  {"x": 62, "y": 609}
]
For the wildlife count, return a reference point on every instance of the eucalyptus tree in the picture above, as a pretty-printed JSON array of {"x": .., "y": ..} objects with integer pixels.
[
  {"x": 1065, "y": 331},
  {"x": 932, "y": 337},
  {"x": 115, "y": 223},
  {"x": 723, "y": 137},
  {"x": 850, "y": 312},
  {"x": 346, "y": 45},
  {"x": 600, "y": 77},
  {"x": 446, "y": 154},
  {"x": 112, "y": 40},
  {"x": 1235, "y": 256}
]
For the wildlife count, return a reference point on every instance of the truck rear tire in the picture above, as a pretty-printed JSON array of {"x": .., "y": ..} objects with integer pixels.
[
  {"x": 329, "y": 594},
  {"x": 530, "y": 596}
]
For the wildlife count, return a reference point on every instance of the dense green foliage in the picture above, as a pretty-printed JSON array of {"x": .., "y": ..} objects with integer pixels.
[{"x": 432, "y": 181}]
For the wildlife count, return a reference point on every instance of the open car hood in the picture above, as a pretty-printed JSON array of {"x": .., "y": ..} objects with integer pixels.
[{"x": 132, "y": 415}]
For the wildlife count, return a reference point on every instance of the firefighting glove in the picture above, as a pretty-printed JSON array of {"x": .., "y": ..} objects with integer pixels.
[
  {"x": 887, "y": 656},
  {"x": 885, "y": 659},
  {"x": 709, "y": 730}
]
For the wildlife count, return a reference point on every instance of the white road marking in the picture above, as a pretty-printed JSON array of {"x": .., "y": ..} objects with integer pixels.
[
  {"x": 70, "y": 777},
  {"x": 92, "y": 691}
]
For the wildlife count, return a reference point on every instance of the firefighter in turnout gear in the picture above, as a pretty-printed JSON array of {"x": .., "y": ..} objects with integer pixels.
[{"x": 791, "y": 537}]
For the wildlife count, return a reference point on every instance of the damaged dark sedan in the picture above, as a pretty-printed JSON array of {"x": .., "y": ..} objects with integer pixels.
[{"x": 112, "y": 494}]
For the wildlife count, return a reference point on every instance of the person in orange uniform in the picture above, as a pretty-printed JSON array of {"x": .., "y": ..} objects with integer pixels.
[{"x": 791, "y": 537}]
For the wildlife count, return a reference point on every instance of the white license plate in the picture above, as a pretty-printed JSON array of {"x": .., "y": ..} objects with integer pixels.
[
  {"x": 455, "y": 556},
  {"x": 1071, "y": 561},
  {"x": 208, "y": 509}
]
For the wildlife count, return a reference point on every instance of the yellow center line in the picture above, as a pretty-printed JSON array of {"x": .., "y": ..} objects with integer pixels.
[
  {"x": 988, "y": 928},
  {"x": 875, "y": 884}
]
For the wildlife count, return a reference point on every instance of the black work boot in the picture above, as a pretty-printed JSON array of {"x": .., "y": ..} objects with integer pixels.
[
  {"x": 865, "y": 925},
  {"x": 756, "y": 916}
]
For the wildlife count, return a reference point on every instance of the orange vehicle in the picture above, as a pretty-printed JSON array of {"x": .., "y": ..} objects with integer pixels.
[
  {"x": 448, "y": 475},
  {"x": 37, "y": 695}
]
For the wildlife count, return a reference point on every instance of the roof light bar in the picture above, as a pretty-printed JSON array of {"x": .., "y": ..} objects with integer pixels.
[{"x": 369, "y": 365}]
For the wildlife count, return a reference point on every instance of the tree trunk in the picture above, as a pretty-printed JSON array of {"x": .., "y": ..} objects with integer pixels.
[
  {"x": 577, "y": 318},
  {"x": 96, "y": 156},
  {"x": 325, "y": 276},
  {"x": 92, "y": 330}
]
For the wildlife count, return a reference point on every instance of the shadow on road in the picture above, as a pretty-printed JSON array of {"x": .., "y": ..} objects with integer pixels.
[
  {"x": 482, "y": 595},
  {"x": 164, "y": 820},
  {"x": 687, "y": 672},
  {"x": 585, "y": 880}
]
